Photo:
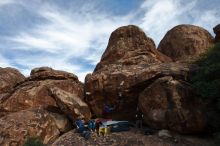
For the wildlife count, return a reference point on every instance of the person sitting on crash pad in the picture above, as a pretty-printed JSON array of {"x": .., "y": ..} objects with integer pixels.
[
  {"x": 81, "y": 129},
  {"x": 92, "y": 125},
  {"x": 80, "y": 126}
]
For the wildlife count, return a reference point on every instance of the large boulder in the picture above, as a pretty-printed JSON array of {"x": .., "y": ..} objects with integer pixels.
[
  {"x": 116, "y": 84},
  {"x": 216, "y": 30},
  {"x": 169, "y": 103},
  {"x": 17, "y": 127},
  {"x": 71, "y": 104},
  {"x": 185, "y": 42},
  {"x": 9, "y": 77},
  {"x": 34, "y": 91},
  {"x": 128, "y": 45}
]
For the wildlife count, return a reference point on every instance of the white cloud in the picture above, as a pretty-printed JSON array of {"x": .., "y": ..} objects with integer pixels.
[
  {"x": 207, "y": 19},
  {"x": 62, "y": 35},
  {"x": 160, "y": 16},
  {"x": 6, "y": 2},
  {"x": 4, "y": 62}
]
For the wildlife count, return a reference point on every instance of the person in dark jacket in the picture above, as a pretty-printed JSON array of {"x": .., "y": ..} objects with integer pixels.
[
  {"x": 92, "y": 125},
  {"x": 81, "y": 129},
  {"x": 139, "y": 118}
]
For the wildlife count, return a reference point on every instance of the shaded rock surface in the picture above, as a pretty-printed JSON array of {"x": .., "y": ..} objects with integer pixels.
[
  {"x": 9, "y": 77},
  {"x": 119, "y": 86},
  {"x": 71, "y": 104},
  {"x": 170, "y": 104},
  {"x": 17, "y": 127},
  {"x": 216, "y": 30},
  {"x": 184, "y": 42},
  {"x": 129, "y": 138},
  {"x": 34, "y": 91}
]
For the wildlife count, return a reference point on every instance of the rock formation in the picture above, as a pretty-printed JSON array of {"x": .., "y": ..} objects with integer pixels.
[
  {"x": 117, "y": 84},
  {"x": 171, "y": 104},
  {"x": 34, "y": 91},
  {"x": 131, "y": 73},
  {"x": 165, "y": 97},
  {"x": 71, "y": 104},
  {"x": 9, "y": 77},
  {"x": 216, "y": 30},
  {"x": 17, "y": 127},
  {"x": 185, "y": 42},
  {"x": 129, "y": 45},
  {"x": 120, "y": 87}
]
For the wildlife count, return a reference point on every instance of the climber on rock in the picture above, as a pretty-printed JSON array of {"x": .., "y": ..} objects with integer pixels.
[{"x": 107, "y": 109}]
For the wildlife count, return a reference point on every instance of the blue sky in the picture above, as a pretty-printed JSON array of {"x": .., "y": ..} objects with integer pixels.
[{"x": 71, "y": 35}]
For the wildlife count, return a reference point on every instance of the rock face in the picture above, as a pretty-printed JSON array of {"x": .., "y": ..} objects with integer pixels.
[
  {"x": 71, "y": 104},
  {"x": 17, "y": 127},
  {"x": 170, "y": 104},
  {"x": 120, "y": 87},
  {"x": 34, "y": 91},
  {"x": 129, "y": 45},
  {"x": 185, "y": 42},
  {"x": 9, "y": 77},
  {"x": 116, "y": 83},
  {"x": 216, "y": 30}
]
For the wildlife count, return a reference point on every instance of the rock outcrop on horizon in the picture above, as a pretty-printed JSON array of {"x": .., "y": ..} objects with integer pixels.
[
  {"x": 216, "y": 30},
  {"x": 128, "y": 45},
  {"x": 9, "y": 77},
  {"x": 34, "y": 91},
  {"x": 185, "y": 42}
]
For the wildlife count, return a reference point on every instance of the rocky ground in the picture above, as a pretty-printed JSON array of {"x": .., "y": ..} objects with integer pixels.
[
  {"x": 134, "y": 137},
  {"x": 131, "y": 73}
]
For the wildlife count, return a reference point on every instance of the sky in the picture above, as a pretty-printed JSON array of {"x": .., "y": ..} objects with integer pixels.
[{"x": 71, "y": 35}]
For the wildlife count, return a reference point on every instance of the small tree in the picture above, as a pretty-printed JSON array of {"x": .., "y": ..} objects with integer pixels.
[{"x": 33, "y": 142}]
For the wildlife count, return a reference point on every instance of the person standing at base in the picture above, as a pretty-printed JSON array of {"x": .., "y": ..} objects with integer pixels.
[{"x": 139, "y": 118}]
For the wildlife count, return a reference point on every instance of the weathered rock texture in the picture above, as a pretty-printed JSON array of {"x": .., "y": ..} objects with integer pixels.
[
  {"x": 129, "y": 45},
  {"x": 71, "y": 104},
  {"x": 9, "y": 77},
  {"x": 216, "y": 30},
  {"x": 185, "y": 42},
  {"x": 34, "y": 91},
  {"x": 171, "y": 104},
  {"x": 116, "y": 83},
  {"x": 17, "y": 127}
]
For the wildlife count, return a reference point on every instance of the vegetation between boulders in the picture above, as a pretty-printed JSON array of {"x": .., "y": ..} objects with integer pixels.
[
  {"x": 33, "y": 141},
  {"x": 207, "y": 84}
]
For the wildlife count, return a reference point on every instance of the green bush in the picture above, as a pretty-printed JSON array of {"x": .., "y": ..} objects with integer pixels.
[
  {"x": 33, "y": 142},
  {"x": 206, "y": 83}
]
